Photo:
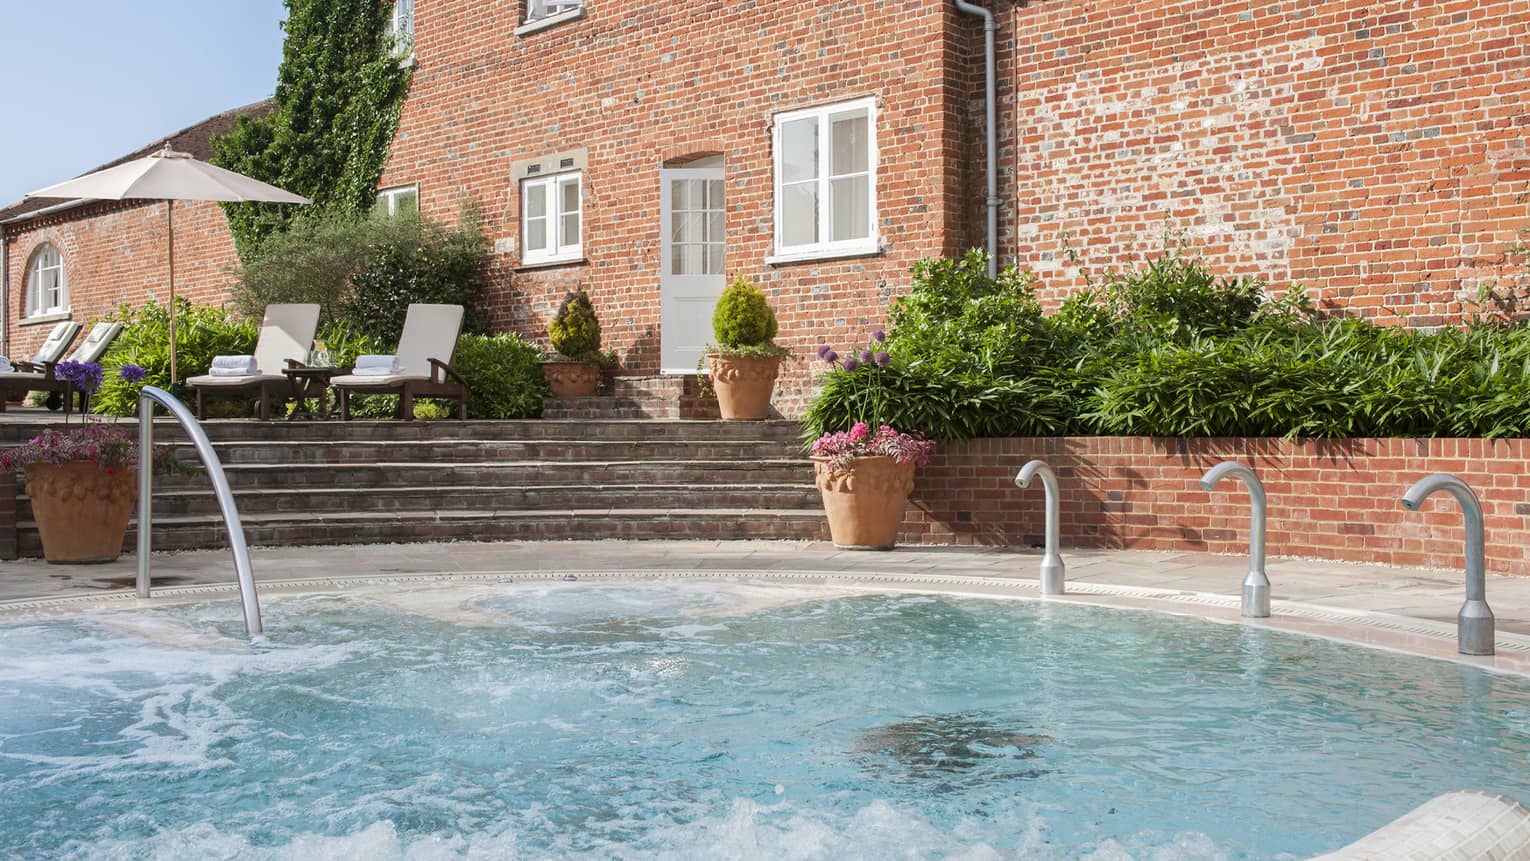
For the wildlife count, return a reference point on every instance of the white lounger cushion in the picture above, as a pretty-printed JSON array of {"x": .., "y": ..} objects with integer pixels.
[
  {"x": 430, "y": 332},
  {"x": 94, "y": 346},
  {"x": 285, "y": 333},
  {"x": 52, "y": 349},
  {"x": 233, "y": 366}
]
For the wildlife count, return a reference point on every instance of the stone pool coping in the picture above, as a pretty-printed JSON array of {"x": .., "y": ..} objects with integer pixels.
[{"x": 1398, "y": 609}]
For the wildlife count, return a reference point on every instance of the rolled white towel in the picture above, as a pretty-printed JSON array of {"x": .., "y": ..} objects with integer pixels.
[
  {"x": 233, "y": 366},
  {"x": 377, "y": 366},
  {"x": 5, "y": 365}
]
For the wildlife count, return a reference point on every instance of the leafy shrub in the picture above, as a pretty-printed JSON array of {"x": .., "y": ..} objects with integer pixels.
[
  {"x": 1168, "y": 350},
  {"x": 504, "y": 376},
  {"x": 201, "y": 334},
  {"x": 414, "y": 259},
  {"x": 957, "y": 320},
  {"x": 743, "y": 317},
  {"x": 313, "y": 260},
  {"x": 574, "y": 331}
]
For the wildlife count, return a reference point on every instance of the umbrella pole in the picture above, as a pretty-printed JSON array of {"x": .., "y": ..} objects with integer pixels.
[{"x": 170, "y": 227}]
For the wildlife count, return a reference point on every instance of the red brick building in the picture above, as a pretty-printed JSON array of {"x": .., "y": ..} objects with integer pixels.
[
  {"x": 67, "y": 259},
  {"x": 1375, "y": 151}
]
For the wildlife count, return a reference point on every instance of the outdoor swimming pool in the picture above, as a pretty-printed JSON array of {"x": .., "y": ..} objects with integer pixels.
[{"x": 722, "y": 720}]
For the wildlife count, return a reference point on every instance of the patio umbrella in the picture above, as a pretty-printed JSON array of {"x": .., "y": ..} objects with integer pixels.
[{"x": 169, "y": 176}]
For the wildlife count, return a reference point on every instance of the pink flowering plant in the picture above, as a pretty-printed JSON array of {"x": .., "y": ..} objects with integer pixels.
[
  {"x": 843, "y": 447},
  {"x": 109, "y": 446}
]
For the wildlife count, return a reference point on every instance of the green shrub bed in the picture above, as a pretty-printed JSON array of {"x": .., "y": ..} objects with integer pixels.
[{"x": 1170, "y": 350}]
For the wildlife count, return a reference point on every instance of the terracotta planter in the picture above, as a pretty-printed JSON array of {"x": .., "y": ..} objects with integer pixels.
[
  {"x": 744, "y": 385},
  {"x": 571, "y": 379},
  {"x": 865, "y": 501},
  {"x": 82, "y": 512}
]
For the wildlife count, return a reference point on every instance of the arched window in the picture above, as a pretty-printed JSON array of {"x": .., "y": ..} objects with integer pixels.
[{"x": 47, "y": 292}]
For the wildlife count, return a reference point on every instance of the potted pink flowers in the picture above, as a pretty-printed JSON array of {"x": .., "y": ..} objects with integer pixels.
[
  {"x": 83, "y": 481},
  {"x": 865, "y": 478}
]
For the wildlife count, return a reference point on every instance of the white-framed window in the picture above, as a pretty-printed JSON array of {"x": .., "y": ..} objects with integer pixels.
[
  {"x": 552, "y": 218},
  {"x": 47, "y": 290},
  {"x": 826, "y": 181},
  {"x": 398, "y": 200},
  {"x": 537, "y": 10},
  {"x": 541, "y": 14},
  {"x": 401, "y": 27}
]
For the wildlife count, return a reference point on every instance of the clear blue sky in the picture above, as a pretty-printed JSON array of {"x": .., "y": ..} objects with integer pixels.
[{"x": 93, "y": 80}]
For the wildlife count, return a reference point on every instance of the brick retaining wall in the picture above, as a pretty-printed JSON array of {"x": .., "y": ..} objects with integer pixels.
[{"x": 1330, "y": 499}]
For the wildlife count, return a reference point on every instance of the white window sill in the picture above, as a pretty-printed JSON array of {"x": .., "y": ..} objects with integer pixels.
[
  {"x": 550, "y": 21},
  {"x": 407, "y": 62},
  {"x": 867, "y": 249},
  {"x": 41, "y": 319},
  {"x": 548, "y": 264}
]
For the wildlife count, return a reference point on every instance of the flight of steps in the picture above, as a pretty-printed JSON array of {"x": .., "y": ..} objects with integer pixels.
[
  {"x": 638, "y": 397},
  {"x": 366, "y": 482}
]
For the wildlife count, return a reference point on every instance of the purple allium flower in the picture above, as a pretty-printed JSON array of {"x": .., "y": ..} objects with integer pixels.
[
  {"x": 85, "y": 376},
  {"x": 851, "y": 364},
  {"x": 867, "y": 357},
  {"x": 831, "y": 357},
  {"x": 823, "y": 351},
  {"x": 882, "y": 359},
  {"x": 878, "y": 335},
  {"x": 132, "y": 373}
]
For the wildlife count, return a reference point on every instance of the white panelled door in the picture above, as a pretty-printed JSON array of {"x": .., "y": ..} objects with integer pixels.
[{"x": 693, "y": 249}]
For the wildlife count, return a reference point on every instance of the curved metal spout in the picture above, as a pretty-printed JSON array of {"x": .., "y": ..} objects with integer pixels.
[
  {"x": 1053, "y": 572},
  {"x": 1256, "y": 586},
  {"x": 1474, "y": 624},
  {"x": 147, "y": 397}
]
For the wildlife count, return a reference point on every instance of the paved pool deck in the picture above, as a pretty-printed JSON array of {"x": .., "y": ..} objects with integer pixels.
[{"x": 1404, "y": 609}]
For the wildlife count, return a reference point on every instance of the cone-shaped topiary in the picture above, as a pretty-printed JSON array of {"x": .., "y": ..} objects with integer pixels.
[
  {"x": 743, "y": 317},
  {"x": 574, "y": 331}
]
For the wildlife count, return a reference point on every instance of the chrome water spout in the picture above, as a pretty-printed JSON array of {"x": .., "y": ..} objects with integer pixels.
[
  {"x": 1256, "y": 586},
  {"x": 146, "y": 399},
  {"x": 1474, "y": 624},
  {"x": 1053, "y": 573}
]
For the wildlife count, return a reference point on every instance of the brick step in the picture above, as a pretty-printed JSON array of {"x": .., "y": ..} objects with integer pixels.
[
  {"x": 466, "y": 450},
  {"x": 699, "y": 474},
  {"x": 326, "y": 501},
  {"x": 188, "y": 533},
  {"x": 669, "y": 386},
  {"x": 165, "y": 430},
  {"x": 605, "y": 407}
]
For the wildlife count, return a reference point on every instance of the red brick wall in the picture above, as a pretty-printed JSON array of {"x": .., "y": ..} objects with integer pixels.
[
  {"x": 117, "y": 252},
  {"x": 638, "y": 84},
  {"x": 1328, "y": 499},
  {"x": 1375, "y": 151}
]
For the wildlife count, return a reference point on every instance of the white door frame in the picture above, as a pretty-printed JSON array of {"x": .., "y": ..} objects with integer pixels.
[{"x": 685, "y": 300}]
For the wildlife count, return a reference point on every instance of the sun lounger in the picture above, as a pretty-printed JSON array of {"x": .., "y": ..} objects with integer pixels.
[
  {"x": 420, "y": 368},
  {"x": 285, "y": 335}
]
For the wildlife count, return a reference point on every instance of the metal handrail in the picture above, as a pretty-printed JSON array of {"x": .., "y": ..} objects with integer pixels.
[
  {"x": 146, "y": 400},
  {"x": 1053, "y": 572},
  {"x": 1256, "y": 586},
  {"x": 1474, "y": 624}
]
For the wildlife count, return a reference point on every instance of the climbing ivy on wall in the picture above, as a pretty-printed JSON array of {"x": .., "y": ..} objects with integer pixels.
[{"x": 339, "y": 92}]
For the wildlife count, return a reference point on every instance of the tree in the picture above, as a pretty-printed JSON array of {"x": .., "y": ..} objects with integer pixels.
[{"x": 339, "y": 92}]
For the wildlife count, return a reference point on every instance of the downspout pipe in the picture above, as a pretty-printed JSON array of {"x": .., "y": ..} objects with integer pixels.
[
  {"x": 990, "y": 99},
  {"x": 5, "y": 294}
]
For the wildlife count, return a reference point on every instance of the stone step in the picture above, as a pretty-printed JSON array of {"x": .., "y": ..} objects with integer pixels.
[
  {"x": 603, "y": 407},
  {"x": 185, "y": 533},
  {"x": 332, "y": 500},
  {"x": 473, "y": 451},
  {"x": 166, "y": 430},
  {"x": 383, "y": 475}
]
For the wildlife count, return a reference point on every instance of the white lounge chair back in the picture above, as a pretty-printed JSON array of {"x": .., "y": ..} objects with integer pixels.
[
  {"x": 94, "y": 346},
  {"x": 430, "y": 332},
  {"x": 285, "y": 333},
  {"x": 58, "y": 340}
]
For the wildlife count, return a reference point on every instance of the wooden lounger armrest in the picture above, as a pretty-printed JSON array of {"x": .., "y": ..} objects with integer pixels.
[{"x": 438, "y": 368}]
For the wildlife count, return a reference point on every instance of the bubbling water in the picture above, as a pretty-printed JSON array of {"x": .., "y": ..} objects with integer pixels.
[{"x": 721, "y": 720}]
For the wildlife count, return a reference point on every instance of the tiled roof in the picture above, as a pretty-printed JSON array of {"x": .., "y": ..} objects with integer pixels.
[{"x": 196, "y": 140}]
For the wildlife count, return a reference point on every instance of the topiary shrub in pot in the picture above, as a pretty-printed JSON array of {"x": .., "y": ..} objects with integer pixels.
[
  {"x": 745, "y": 360},
  {"x": 573, "y": 370}
]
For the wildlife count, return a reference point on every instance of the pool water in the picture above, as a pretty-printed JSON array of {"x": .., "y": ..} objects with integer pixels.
[{"x": 722, "y": 720}]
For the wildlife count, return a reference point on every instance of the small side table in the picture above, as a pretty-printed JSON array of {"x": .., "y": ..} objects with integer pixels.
[{"x": 311, "y": 382}]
